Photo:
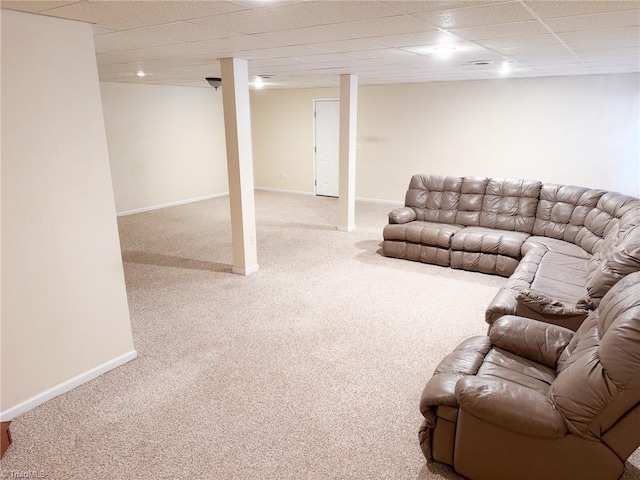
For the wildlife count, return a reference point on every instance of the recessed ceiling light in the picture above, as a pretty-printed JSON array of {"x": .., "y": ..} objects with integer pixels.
[
  {"x": 444, "y": 51},
  {"x": 258, "y": 83},
  {"x": 506, "y": 68},
  {"x": 140, "y": 73},
  {"x": 480, "y": 63}
]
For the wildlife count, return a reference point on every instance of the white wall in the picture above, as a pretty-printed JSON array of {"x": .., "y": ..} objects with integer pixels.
[
  {"x": 571, "y": 130},
  {"x": 282, "y": 124},
  {"x": 64, "y": 304},
  {"x": 166, "y": 144}
]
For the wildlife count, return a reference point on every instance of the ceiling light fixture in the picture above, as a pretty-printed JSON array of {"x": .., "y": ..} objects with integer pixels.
[
  {"x": 444, "y": 51},
  {"x": 506, "y": 68},
  {"x": 258, "y": 82},
  {"x": 215, "y": 82},
  {"x": 480, "y": 63},
  {"x": 140, "y": 73}
]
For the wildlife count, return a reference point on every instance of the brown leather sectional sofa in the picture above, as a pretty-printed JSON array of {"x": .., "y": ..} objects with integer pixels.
[
  {"x": 534, "y": 400},
  {"x": 553, "y": 390},
  {"x": 561, "y": 246}
]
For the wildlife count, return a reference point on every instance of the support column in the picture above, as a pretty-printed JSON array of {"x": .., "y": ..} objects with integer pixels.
[
  {"x": 348, "y": 117},
  {"x": 237, "y": 124}
]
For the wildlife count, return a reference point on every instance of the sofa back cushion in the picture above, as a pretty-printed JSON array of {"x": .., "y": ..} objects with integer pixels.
[
  {"x": 611, "y": 207},
  {"x": 510, "y": 204},
  {"x": 434, "y": 197},
  {"x": 562, "y": 210},
  {"x": 471, "y": 199},
  {"x": 599, "y": 371},
  {"x": 618, "y": 256}
]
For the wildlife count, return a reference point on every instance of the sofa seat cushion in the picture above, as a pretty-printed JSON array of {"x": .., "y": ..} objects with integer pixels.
[
  {"x": 554, "y": 245},
  {"x": 513, "y": 368},
  {"x": 489, "y": 240},
  {"x": 424, "y": 233},
  {"x": 560, "y": 277}
]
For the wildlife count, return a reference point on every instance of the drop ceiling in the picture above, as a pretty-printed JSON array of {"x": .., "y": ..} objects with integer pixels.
[{"x": 305, "y": 44}]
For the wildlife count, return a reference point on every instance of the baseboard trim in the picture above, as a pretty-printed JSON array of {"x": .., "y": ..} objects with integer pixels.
[
  {"x": 64, "y": 387},
  {"x": 377, "y": 200},
  {"x": 281, "y": 190},
  {"x": 171, "y": 204}
]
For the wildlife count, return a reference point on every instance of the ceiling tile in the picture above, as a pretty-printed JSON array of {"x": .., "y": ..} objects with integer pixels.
[
  {"x": 121, "y": 41},
  {"x": 279, "y": 52},
  {"x": 385, "y": 53},
  {"x": 232, "y": 44},
  {"x": 34, "y": 5},
  {"x": 347, "y": 45},
  {"x": 387, "y": 26},
  {"x": 114, "y": 15},
  {"x": 128, "y": 56},
  {"x": 564, "y": 8},
  {"x": 433, "y": 37},
  {"x": 594, "y": 22},
  {"x": 419, "y": 6},
  {"x": 507, "y": 12},
  {"x": 325, "y": 13},
  {"x": 185, "y": 32},
  {"x": 302, "y": 36},
  {"x": 600, "y": 35},
  {"x": 97, "y": 30},
  {"x": 547, "y": 52},
  {"x": 186, "y": 10},
  {"x": 613, "y": 43},
  {"x": 253, "y": 21},
  {"x": 501, "y": 31},
  {"x": 526, "y": 41}
]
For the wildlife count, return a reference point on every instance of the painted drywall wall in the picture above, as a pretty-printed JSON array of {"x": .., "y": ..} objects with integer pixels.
[
  {"x": 571, "y": 130},
  {"x": 64, "y": 304},
  {"x": 282, "y": 124},
  {"x": 166, "y": 144}
]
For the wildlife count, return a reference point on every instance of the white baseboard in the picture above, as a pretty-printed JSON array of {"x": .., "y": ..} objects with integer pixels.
[
  {"x": 359, "y": 199},
  {"x": 245, "y": 271},
  {"x": 64, "y": 387},
  {"x": 281, "y": 190},
  {"x": 376, "y": 200},
  {"x": 171, "y": 204}
]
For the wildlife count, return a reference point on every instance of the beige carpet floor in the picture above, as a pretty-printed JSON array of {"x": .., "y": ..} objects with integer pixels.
[{"x": 312, "y": 368}]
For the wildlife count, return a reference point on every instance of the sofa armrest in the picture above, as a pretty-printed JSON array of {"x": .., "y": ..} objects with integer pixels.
[
  {"x": 402, "y": 215},
  {"x": 510, "y": 406},
  {"x": 538, "y": 341}
]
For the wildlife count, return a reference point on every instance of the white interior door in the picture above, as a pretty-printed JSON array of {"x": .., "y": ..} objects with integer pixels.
[{"x": 327, "y": 136}]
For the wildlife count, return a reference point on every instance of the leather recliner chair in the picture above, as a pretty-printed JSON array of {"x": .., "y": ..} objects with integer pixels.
[{"x": 534, "y": 400}]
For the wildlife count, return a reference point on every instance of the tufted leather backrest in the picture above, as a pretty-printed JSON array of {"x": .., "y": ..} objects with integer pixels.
[
  {"x": 603, "y": 218},
  {"x": 562, "y": 210},
  {"x": 471, "y": 198},
  {"x": 434, "y": 197},
  {"x": 598, "y": 378},
  {"x": 510, "y": 204}
]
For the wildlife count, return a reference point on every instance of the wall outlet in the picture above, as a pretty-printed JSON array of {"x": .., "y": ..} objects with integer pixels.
[{"x": 253, "y": 239}]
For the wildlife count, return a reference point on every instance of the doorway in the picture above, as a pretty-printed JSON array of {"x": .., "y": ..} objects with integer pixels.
[{"x": 326, "y": 114}]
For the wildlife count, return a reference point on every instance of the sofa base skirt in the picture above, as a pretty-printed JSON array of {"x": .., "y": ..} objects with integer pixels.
[
  {"x": 486, "y": 452},
  {"x": 416, "y": 252},
  {"x": 484, "y": 262}
]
